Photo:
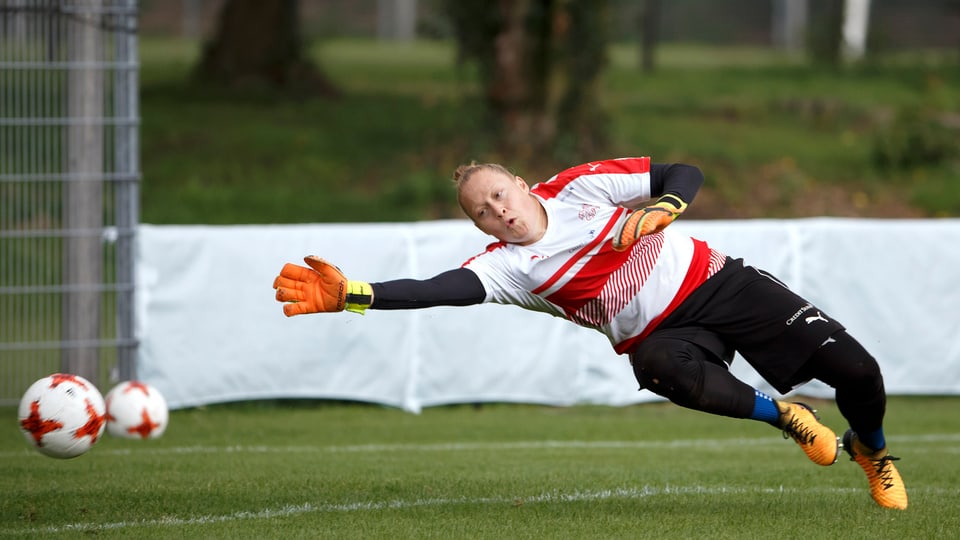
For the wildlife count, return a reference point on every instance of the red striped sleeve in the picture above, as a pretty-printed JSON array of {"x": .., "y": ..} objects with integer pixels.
[
  {"x": 490, "y": 247},
  {"x": 550, "y": 189}
]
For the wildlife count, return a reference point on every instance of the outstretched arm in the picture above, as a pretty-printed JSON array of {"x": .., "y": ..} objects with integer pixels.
[
  {"x": 459, "y": 287},
  {"x": 322, "y": 287}
]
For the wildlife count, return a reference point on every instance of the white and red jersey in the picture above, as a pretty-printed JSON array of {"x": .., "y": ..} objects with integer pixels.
[{"x": 573, "y": 271}]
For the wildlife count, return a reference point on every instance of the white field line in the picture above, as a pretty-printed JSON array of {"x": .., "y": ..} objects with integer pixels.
[
  {"x": 702, "y": 444},
  {"x": 401, "y": 504},
  {"x": 576, "y": 496}
]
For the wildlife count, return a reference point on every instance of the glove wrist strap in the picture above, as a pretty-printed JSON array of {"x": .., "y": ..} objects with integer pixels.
[
  {"x": 359, "y": 296},
  {"x": 674, "y": 201}
]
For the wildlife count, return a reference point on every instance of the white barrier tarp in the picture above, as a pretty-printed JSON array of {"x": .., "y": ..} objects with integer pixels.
[{"x": 211, "y": 330}]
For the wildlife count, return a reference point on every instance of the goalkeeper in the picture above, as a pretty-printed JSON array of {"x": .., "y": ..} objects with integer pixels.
[{"x": 592, "y": 245}]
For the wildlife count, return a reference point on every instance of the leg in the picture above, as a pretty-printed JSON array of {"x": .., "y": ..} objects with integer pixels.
[
  {"x": 789, "y": 341},
  {"x": 686, "y": 375},
  {"x": 845, "y": 365},
  {"x": 692, "y": 377}
]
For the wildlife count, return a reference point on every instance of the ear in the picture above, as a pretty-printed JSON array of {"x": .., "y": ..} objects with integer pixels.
[{"x": 523, "y": 184}]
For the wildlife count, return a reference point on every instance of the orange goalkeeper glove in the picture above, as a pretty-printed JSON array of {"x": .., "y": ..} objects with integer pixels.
[
  {"x": 320, "y": 288},
  {"x": 648, "y": 220}
]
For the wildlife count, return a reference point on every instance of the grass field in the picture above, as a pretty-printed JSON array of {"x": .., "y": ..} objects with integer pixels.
[{"x": 332, "y": 470}]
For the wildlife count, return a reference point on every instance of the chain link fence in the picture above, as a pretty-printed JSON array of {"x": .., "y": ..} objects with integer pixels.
[{"x": 69, "y": 190}]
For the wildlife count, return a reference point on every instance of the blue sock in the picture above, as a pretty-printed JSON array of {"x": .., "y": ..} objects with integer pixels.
[
  {"x": 764, "y": 408},
  {"x": 874, "y": 441}
]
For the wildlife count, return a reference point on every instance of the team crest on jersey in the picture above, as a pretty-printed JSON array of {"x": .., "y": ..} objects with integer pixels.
[{"x": 587, "y": 212}]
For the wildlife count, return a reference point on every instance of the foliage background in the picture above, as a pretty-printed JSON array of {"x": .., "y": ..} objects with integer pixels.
[{"x": 775, "y": 137}]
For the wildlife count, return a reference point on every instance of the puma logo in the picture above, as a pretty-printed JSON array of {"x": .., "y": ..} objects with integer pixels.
[
  {"x": 593, "y": 166},
  {"x": 817, "y": 317}
]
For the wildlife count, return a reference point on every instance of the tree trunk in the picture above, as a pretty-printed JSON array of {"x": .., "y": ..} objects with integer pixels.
[
  {"x": 856, "y": 25},
  {"x": 540, "y": 62},
  {"x": 789, "y": 24},
  {"x": 825, "y": 31},
  {"x": 649, "y": 34},
  {"x": 258, "y": 44},
  {"x": 397, "y": 20}
]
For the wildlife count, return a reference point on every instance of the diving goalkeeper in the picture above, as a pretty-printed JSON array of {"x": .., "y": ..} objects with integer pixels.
[{"x": 592, "y": 245}]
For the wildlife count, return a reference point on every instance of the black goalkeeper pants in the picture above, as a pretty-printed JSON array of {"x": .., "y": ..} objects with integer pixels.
[{"x": 686, "y": 359}]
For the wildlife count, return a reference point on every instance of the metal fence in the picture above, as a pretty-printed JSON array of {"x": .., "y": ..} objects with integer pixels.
[{"x": 69, "y": 190}]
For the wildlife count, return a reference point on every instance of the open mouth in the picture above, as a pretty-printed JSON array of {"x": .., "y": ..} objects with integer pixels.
[{"x": 511, "y": 221}]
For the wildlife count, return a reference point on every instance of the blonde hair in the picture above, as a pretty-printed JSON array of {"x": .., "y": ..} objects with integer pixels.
[{"x": 463, "y": 173}]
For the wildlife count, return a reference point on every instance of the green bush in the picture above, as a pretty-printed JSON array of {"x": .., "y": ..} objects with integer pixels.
[{"x": 917, "y": 137}]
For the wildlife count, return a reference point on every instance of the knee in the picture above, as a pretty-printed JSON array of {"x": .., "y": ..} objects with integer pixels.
[
  {"x": 866, "y": 374},
  {"x": 650, "y": 365},
  {"x": 847, "y": 366},
  {"x": 668, "y": 371}
]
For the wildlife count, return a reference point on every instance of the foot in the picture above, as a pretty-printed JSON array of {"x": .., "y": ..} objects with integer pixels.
[
  {"x": 886, "y": 486},
  {"x": 799, "y": 422}
]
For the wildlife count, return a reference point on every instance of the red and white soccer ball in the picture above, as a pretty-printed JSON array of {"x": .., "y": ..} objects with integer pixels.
[
  {"x": 136, "y": 410},
  {"x": 62, "y": 415}
]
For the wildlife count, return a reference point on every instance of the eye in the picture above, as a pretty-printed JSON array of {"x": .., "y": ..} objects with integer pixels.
[
  {"x": 481, "y": 213},
  {"x": 499, "y": 194}
]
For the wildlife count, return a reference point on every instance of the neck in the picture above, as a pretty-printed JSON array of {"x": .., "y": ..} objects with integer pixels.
[{"x": 541, "y": 226}]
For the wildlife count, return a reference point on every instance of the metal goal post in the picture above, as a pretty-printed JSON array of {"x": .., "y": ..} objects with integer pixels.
[{"x": 69, "y": 190}]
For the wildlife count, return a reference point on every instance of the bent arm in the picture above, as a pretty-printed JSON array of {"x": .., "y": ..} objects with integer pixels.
[
  {"x": 675, "y": 185},
  {"x": 458, "y": 287},
  {"x": 677, "y": 179}
]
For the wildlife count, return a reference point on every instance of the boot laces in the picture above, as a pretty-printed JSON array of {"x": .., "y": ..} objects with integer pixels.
[
  {"x": 884, "y": 470},
  {"x": 799, "y": 431}
]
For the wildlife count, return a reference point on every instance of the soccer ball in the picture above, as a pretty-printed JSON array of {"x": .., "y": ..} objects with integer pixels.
[
  {"x": 136, "y": 410},
  {"x": 62, "y": 415}
]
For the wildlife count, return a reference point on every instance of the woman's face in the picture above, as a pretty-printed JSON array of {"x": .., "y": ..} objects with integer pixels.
[{"x": 501, "y": 205}]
